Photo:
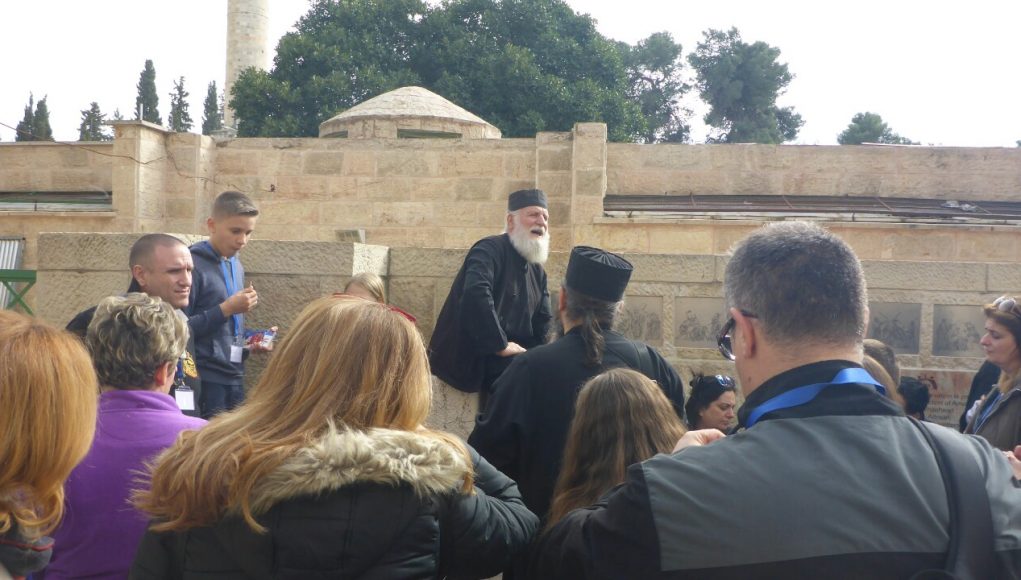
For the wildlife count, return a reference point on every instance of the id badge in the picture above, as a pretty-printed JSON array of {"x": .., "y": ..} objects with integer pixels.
[
  {"x": 236, "y": 351},
  {"x": 185, "y": 398}
]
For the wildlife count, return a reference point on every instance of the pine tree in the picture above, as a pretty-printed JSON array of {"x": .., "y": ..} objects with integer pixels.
[
  {"x": 92, "y": 128},
  {"x": 179, "y": 120},
  {"x": 211, "y": 119},
  {"x": 24, "y": 130},
  {"x": 117, "y": 116},
  {"x": 147, "y": 100},
  {"x": 41, "y": 122}
]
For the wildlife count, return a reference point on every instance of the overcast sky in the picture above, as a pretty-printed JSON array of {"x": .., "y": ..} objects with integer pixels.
[{"x": 938, "y": 73}]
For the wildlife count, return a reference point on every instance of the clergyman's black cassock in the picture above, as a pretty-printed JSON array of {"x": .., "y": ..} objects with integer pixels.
[
  {"x": 524, "y": 428},
  {"x": 497, "y": 297}
]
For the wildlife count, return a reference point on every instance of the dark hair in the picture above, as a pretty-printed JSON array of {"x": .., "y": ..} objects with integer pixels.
[
  {"x": 803, "y": 283},
  {"x": 915, "y": 394},
  {"x": 594, "y": 315},
  {"x": 621, "y": 417},
  {"x": 143, "y": 248},
  {"x": 884, "y": 355},
  {"x": 232, "y": 203},
  {"x": 705, "y": 390}
]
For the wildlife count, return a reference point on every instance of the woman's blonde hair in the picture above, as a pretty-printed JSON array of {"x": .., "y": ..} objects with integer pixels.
[
  {"x": 1011, "y": 320},
  {"x": 48, "y": 398},
  {"x": 621, "y": 417},
  {"x": 346, "y": 362},
  {"x": 371, "y": 282},
  {"x": 878, "y": 372},
  {"x": 131, "y": 336}
]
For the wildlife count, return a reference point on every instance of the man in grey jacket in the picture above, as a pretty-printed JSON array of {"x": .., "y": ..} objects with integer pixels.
[{"x": 825, "y": 478}]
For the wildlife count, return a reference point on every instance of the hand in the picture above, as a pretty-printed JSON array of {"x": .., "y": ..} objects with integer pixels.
[
  {"x": 698, "y": 438},
  {"x": 512, "y": 349},
  {"x": 258, "y": 347},
  {"x": 1014, "y": 459},
  {"x": 241, "y": 302}
]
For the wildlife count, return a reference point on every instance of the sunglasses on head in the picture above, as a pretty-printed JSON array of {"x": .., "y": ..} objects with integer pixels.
[
  {"x": 1005, "y": 303},
  {"x": 724, "y": 339}
]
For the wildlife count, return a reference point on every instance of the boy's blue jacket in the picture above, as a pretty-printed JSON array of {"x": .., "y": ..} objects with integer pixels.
[{"x": 214, "y": 332}]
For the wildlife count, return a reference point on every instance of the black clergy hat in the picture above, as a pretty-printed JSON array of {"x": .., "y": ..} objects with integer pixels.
[
  {"x": 526, "y": 198},
  {"x": 598, "y": 273}
]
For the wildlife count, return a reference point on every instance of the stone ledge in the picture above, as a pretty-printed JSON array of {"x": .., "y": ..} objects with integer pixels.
[{"x": 925, "y": 275}]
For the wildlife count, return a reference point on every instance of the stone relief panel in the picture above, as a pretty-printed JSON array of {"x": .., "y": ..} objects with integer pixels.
[
  {"x": 896, "y": 324},
  {"x": 642, "y": 319},
  {"x": 956, "y": 330},
  {"x": 697, "y": 320}
]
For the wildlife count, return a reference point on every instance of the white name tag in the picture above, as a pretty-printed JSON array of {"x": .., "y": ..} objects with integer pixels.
[
  {"x": 235, "y": 353},
  {"x": 185, "y": 398}
]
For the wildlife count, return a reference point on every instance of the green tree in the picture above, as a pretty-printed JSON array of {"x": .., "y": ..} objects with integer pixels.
[
  {"x": 23, "y": 131},
  {"x": 91, "y": 128},
  {"x": 523, "y": 65},
  {"x": 117, "y": 116},
  {"x": 741, "y": 82},
  {"x": 41, "y": 122},
  {"x": 870, "y": 128},
  {"x": 147, "y": 102},
  {"x": 211, "y": 118},
  {"x": 179, "y": 119},
  {"x": 654, "y": 68}
]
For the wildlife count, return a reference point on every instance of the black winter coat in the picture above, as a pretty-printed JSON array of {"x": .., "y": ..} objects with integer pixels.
[{"x": 375, "y": 504}]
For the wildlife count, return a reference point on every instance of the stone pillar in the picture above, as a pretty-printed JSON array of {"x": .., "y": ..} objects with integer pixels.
[
  {"x": 553, "y": 175},
  {"x": 588, "y": 171},
  {"x": 140, "y": 166},
  {"x": 247, "y": 43}
]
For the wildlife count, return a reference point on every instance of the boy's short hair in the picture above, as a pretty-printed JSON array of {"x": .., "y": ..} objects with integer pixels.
[{"x": 232, "y": 203}]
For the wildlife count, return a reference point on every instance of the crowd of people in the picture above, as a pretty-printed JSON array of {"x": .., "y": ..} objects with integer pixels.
[{"x": 130, "y": 449}]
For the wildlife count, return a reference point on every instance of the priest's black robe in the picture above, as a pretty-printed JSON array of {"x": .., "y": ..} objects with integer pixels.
[
  {"x": 523, "y": 430},
  {"x": 497, "y": 298}
]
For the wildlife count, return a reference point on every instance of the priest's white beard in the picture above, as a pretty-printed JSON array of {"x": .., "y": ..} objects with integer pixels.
[{"x": 533, "y": 250}]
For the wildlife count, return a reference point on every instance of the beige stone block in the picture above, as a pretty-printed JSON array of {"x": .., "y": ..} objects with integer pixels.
[
  {"x": 399, "y": 163},
  {"x": 681, "y": 239},
  {"x": 916, "y": 245},
  {"x": 671, "y": 157},
  {"x": 433, "y": 189},
  {"x": 265, "y": 232},
  {"x": 424, "y": 262},
  {"x": 1004, "y": 278},
  {"x": 239, "y": 161},
  {"x": 560, "y": 213},
  {"x": 61, "y": 294},
  {"x": 393, "y": 237},
  {"x": 617, "y": 239},
  {"x": 384, "y": 189},
  {"x": 590, "y": 182},
  {"x": 519, "y": 165},
  {"x": 666, "y": 268},
  {"x": 492, "y": 214},
  {"x": 462, "y": 163},
  {"x": 296, "y": 257},
  {"x": 465, "y": 237},
  {"x": 865, "y": 184},
  {"x": 371, "y": 258},
  {"x": 297, "y": 213},
  {"x": 342, "y": 187},
  {"x": 302, "y": 187},
  {"x": 504, "y": 188},
  {"x": 289, "y": 163},
  {"x": 987, "y": 247},
  {"x": 85, "y": 252},
  {"x": 323, "y": 162},
  {"x": 589, "y": 155},
  {"x": 583, "y": 210},
  {"x": 475, "y": 189},
  {"x": 695, "y": 182},
  {"x": 347, "y": 214},
  {"x": 360, "y": 163},
  {"x": 415, "y": 295},
  {"x": 755, "y": 183},
  {"x": 628, "y": 182},
  {"x": 554, "y": 159},
  {"x": 596, "y": 131},
  {"x": 555, "y": 183},
  {"x": 928, "y": 275},
  {"x": 452, "y": 411},
  {"x": 281, "y": 298},
  {"x": 181, "y": 209},
  {"x": 36, "y": 179},
  {"x": 868, "y": 244},
  {"x": 402, "y": 213},
  {"x": 811, "y": 184},
  {"x": 727, "y": 236},
  {"x": 552, "y": 138}
]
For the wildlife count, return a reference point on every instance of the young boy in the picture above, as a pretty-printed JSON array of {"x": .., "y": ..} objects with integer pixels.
[{"x": 219, "y": 300}]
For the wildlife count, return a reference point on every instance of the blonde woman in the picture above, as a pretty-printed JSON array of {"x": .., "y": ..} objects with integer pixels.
[
  {"x": 136, "y": 341},
  {"x": 47, "y": 416},
  {"x": 368, "y": 286},
  {"x": 997, "y": 416},
  {"x": 621, "y": 418},
  {"x": 326, "y": 470}
]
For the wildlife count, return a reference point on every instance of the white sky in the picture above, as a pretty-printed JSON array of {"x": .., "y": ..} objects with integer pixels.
[{"x": 943, "y": 73}]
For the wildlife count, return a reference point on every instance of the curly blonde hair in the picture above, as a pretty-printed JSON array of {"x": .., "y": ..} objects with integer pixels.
[{"x": 133, "y": 335}]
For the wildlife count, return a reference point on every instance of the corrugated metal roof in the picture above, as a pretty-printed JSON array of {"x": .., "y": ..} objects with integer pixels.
[{"x": 11, "y": 250}]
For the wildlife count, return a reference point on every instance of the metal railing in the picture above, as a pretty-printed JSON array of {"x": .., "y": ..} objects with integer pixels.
[{"x": 17, "y": 283}]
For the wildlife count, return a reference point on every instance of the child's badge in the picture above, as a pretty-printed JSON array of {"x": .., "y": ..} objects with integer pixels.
[{"x": 188, "y": 363}]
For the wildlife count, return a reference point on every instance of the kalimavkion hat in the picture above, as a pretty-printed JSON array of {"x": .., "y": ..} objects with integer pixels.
[
  {"x": 598, "y": 273},
  {"x": 526, "y": 198}
]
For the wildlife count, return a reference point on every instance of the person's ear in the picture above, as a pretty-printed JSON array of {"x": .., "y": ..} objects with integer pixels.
[
  {"x": 510, "y": 222},
  {"x": 164, "y": 375},
  {"x": 749, "y": 335},
  {"x": 139, "y": 274},
  {"x": 211, "y": 225}
]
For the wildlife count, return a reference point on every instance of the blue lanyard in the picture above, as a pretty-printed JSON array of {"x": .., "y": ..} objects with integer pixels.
[
  {"x": 987, "y": 411},
  {"x": 232, "y": 287},
  {"x": 801, "y": 395}
]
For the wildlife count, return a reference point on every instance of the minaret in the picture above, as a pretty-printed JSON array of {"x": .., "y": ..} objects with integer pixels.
[{"x": 247, "y": 43}]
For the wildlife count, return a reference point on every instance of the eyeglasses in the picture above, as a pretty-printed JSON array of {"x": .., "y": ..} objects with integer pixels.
[
  {"x": 1005, "y": 303},
  {"x": 723, "y": 380},
  {"x": 723, "y": 339},
  {"x": 389, "y": 307}
]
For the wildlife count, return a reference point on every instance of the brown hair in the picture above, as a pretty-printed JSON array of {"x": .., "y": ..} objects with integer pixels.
[
  {"x": 48, "y": 398},
  {"x": 346, "y": 362},
  {"x": 878, "y": 372},
  {"x": 232, "y": 203},
  {"x": 621, "y": 417},
  {"x": 883, "y": 355},
  {"x": 371, "y": 282},
  {"x": 594, "y": 316},
  {"x": 1011, "y": 320}
]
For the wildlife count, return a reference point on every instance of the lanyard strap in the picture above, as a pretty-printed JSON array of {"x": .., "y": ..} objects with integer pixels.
[
  {"x": 801, "y": 395},
  {"x": 994, "y": 398},
  {"x": 232, "y": 287}
]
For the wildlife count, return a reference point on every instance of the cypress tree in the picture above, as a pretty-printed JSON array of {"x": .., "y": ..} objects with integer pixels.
[
  {"x": 92, "y": 128},
  {"x": 41, "y": 122},
  {"x": 179, "y": 120},
  {"x": 24, "y": 130},
  {"x": 211, "y": 119},
  {"x": 147, "y": 100}
]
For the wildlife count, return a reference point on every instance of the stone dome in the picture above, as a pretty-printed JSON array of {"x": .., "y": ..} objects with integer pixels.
[{"x": 411, "y": 112}]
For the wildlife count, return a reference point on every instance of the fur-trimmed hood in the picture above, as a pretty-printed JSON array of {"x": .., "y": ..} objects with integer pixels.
[{"x": 344, "y": 457}]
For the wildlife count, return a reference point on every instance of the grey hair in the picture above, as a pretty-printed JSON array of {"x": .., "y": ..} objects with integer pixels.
[
  {"x": 803, "y": 283},
  {"x": 131, "y": 336}
]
